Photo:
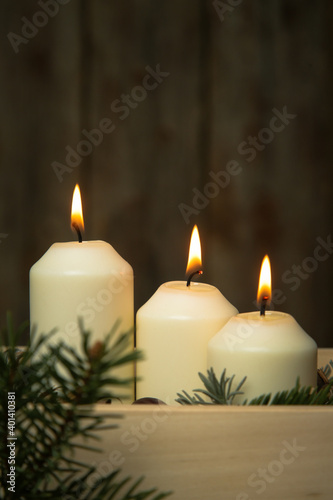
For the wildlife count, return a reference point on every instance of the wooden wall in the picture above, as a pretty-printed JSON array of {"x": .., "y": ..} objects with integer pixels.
[{"x": 227, "y": 71}]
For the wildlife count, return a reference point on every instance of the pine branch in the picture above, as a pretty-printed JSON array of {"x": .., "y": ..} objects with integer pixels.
[
  {"x": 54, "y": 419},
  {"x": 220, "y": 392}
]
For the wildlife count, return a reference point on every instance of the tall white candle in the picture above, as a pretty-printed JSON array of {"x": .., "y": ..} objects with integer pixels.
[
  {"x": 270, "y": 349},
  {"x": 173, "y": 330},
  {"x": 87, "y": 280}
]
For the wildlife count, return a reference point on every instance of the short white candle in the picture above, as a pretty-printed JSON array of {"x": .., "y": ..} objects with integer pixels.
[
  {"x": 271, "y": 350},
  {"x": 173, "y": 330},
  {"x": 87, "y": 280}
]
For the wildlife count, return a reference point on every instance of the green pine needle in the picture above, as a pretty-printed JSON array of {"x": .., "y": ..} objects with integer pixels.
[
  {"x": 54, "y": 418},
  {"x": 220, "y": 392}
]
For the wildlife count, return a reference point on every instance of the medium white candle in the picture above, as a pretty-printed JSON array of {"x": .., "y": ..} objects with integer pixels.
[
  {"x": 87, "y": 280},
  {"x": 173, "y": 330},
  {"x": 270, "y": 349}
]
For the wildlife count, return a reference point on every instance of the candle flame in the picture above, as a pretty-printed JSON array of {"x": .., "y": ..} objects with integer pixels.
[
  {"x": 77, "y": 214},
  {"x": 194, "y": 256},
  {"x": 265, "y": 282}
]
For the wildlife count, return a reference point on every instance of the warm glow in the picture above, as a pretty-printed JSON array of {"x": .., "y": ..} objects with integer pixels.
[
  {"x": 265, "y": 282},
  {"x": 77, "y": 215},
  {"x": 194, "y": 255}
]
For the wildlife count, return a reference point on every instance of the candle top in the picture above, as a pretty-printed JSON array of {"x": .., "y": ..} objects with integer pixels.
[
  {"x": 276, "y": 330},
  {"x": 86, "y": 258},
  {"x": 176, "y": 300},
  {"x": 268, "y": 317},
  {"x": 194, "y": 287}
]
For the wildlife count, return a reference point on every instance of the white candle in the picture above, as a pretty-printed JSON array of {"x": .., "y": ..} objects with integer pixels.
[
  {"x": 270, "y": 349},
  {"x": 173, "y": 330},
  {"x": 89, "y": 280}
]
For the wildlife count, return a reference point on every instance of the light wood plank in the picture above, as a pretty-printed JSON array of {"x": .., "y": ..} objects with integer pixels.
[
  {"x": 214, "y": 453},
  {"x": 223, "y": 452},
  {"x": 325, "y": 355}
]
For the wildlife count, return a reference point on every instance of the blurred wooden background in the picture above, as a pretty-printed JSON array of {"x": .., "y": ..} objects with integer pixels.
[{"x": 228, "y": 69}]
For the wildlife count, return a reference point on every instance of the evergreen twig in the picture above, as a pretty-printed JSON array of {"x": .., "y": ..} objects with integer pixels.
[
  {"x": 54, "y": 391},
  {"x": 219, "y": 392}
]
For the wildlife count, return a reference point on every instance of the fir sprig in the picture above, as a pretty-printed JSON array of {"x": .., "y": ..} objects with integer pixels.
[
  {"x": 55, "y": 387},
  {"x": 220, "y": 392}
]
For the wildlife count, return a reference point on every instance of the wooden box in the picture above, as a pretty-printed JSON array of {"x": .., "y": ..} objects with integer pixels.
[{"x": 218, "y": 453}]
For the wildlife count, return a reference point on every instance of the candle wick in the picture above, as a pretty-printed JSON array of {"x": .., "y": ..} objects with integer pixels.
[
  {"x": 191, "y": 276},
  {"x": 77, "y": 229},
  {"x": 263, "y": 306}
]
